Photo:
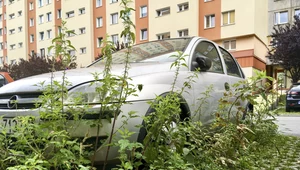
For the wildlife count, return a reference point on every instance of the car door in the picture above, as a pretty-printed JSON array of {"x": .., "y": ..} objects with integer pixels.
[{"x": 205, "y": 106}]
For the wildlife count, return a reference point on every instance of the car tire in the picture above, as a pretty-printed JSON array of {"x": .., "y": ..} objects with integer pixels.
[
  {"x": 287, "y": 109},
  {"x": 249, "y": 109}
]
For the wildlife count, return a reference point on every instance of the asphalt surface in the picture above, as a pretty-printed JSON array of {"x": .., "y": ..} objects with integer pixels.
[{"x": 289, "y": 124}]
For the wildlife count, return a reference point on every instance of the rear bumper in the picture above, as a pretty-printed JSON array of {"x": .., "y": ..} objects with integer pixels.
[
  {"x": 292, "y": 103},
  {"x": 82, "y": 128}
]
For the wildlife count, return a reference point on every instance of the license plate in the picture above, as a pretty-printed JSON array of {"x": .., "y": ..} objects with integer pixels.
[{"x": 9, "y": 124}]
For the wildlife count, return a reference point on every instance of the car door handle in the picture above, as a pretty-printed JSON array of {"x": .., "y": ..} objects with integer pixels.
[{"x": 226, "y": 85}]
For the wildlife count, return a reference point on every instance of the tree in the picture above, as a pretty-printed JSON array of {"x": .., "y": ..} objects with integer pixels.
[
  {"x": 34, "y": 66},
  {"x": 285, "y": 49}
]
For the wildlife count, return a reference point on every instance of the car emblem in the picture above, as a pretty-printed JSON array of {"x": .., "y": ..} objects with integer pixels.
[{"x": 12, "y": 103}]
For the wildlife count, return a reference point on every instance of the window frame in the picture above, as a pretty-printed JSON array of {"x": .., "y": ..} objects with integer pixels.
[
  {"x": 98, "y": 3},
  {"x": 142, "y": 33},
  {"x": 230, "y": 44},
  {"x": 81, "y": 11},
  {"x": 163, "y": 12},
  {"x": 49, "y": 17},
  {"x": 277, "y": 21},
  {"x": 229, "y": 22},
  {"x": 210, "y": 16},
  {"x": 70, "y": 14},
  {"x": 143, "y": 15},
  {"x": 99, "y": 22},
  {"x": 240, "y": 75},
  {"x": 180, "y": 9},
  {"x": 114, "y": 20},
  {"x": 183, "y": 33}
]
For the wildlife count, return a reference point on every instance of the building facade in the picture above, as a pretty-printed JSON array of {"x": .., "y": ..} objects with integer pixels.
[
  {"x": 28, "y": 26},
  {"x": 280, "y": 12}
]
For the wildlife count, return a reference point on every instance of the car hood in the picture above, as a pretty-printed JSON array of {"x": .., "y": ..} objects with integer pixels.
[{"x": 82, "y": 75}]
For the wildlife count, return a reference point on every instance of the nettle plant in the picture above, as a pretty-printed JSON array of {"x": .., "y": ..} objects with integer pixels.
[{"x": 172, "y": 140}]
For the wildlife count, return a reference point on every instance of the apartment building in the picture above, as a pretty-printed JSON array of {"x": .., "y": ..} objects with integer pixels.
[
  {"x": 239, "y": 26},
  {"x": 280, "y": 12}
]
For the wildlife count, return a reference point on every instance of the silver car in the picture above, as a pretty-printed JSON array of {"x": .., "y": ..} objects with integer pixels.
[{"x": 150, "y": 66}]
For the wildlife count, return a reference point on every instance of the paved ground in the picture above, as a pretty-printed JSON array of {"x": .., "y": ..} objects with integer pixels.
[{"x": 289, "y": 124}]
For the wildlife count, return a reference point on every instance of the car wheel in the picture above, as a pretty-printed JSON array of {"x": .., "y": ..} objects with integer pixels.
[{"x": 287, "y": 109}]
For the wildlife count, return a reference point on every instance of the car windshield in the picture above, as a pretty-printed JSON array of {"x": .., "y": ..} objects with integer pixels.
[{"x": 155, "y": 51}]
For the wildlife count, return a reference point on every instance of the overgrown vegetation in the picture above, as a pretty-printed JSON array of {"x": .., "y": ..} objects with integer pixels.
[{"x": 236, "y": 140}]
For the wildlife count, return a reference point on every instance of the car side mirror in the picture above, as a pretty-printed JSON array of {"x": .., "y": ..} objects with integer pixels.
[{"x": 202, "y": 62}]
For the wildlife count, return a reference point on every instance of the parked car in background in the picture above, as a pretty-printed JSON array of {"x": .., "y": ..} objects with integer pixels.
[
  {"x": 293, "y": 98},
  {"x": 150, "y": 66},
  {"x": 5, "y": 78}
]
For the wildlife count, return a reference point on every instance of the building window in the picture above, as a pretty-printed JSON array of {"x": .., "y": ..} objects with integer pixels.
[
  {"x": 40, "y": 3},
  {"x": 82, "y": 30},
  {"x": 5, "y": 30},
  {"x": 81, "y": 11},
  {"x": 59, "y": 13},
  {"x": 209, "y": 21},
  {"x": 297, "y": 12},
  {"x": 71, "y": 52},
  {"x": 228, "y": 17},
  {"x": 83, "y": 50},
  {"x": 59, "y": 30},
  {"x": 48, "y": 1},
  {"x": 114, "y": 18},
  {"x": 183, "y": 33},
  {"x": 163, "y": 36},
  {"x": 12, "y": 31},
  {"x": 113, "y": 1},
  {"x": 11, "y": 16},
  {"x": 20, "y": 44},
  {"x": 1, "y": 60},
  {"x": 99, "y": 22},
  {"x": 31, "y": 22},
  {"x": 42, "y": 35},
  {"x": 49, "y": 34},
  {"x": 144, "y": 34},
  {"x": 4, "y": 15},
  {"x": 13, "y": 46},
  {"x": 19, "y": 13},
  {"x": 1, "y": 31},
  {"x": 20, "y": 28},
  {"x": 49, "y": 16},
  {"x": 70, "y": 14},
  {"x": 98, "y": 3},
  {"x": 14, "y": 61},
  {"x": 115, "y": 38},
  {"x": 162, "y": 12},
  {"x": 41, "y": 19},
  {"x": 99, "y": 41},
  {"x": 143, "y": 11},
  {"x": 183, "y": 6},
  {"x": 42, "y": 52},
  {"x": 281, "y": 17},
  {"x": 1, "y": 46},
  {"x": 207, "y": 0},
  {"x": 71, "y": 33},
  {"x": 31, "y": 6},
  {"x": 229, "y": 45},
  {"x": 1, "y": 17}
]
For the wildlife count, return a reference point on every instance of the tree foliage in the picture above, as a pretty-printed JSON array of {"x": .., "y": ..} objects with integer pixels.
[
  {"x": 34, "y": 66},
  {"x": 286, "y": 48}
]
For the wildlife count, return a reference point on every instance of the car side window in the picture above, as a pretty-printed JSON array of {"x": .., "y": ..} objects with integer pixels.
[
  {"x": 210, "y": 51},
  {"x": 231, "y": 65}
]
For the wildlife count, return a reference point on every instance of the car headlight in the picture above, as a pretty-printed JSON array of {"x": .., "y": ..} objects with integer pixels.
[{"x": 92, "y": 93}]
